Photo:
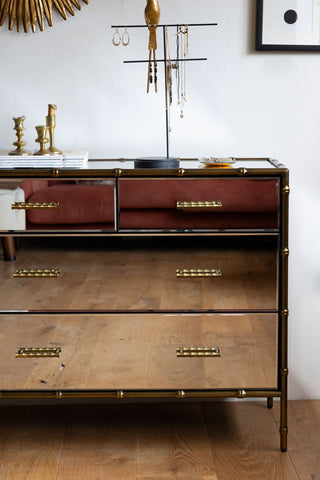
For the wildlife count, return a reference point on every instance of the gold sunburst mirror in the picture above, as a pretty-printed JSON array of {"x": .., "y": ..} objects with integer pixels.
[{"x": 29, "y": 13}]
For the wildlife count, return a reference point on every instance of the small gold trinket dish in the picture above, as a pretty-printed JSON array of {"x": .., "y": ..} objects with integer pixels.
[{"x": 217, "y": 162}]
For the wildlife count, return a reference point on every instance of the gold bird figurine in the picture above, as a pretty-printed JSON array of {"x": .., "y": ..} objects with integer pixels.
[{"x": 152, "y": 18}]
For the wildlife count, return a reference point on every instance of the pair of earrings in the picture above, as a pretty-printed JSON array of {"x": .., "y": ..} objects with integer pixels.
[{"x": 123, "y": 39}]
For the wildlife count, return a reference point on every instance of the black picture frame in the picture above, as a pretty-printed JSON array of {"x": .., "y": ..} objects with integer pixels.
[{"x": 290, "y": 17}]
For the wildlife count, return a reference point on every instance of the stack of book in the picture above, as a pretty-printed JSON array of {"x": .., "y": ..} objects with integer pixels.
[{"x": 69, "y": 159}]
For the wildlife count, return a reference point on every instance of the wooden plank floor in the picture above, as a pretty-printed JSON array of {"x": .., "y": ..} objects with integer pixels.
[{"x": 163, "y": 441}]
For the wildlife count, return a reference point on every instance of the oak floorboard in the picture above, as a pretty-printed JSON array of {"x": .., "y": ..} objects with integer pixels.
[
  {"x": 303, "y": 437},
  {"x": 173, "y": 443},
  {"x": 245, "y": 442},
  {"x": 31, "y": 443},
  {"x": 100, "y": 444},
  {"x": 223, "y": 440}
]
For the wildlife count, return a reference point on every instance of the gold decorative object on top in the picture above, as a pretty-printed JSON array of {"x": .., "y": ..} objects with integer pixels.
[
  {"x": 19, "y": 127},
  {"x": 42, "y": 139},
  {"x": 29, "y": 12},
  {"x": 51, "y": 124},
  {"x": 152, "y": 18}
]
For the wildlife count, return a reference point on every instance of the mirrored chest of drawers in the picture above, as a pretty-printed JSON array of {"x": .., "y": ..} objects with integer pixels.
[{"x": 141, "y": 283}]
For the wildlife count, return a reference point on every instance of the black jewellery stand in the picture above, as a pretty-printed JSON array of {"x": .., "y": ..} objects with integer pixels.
[{"x": 164, "y": 162}]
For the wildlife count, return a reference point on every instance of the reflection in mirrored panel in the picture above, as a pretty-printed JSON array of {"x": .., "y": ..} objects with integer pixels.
[
  {"x": 58, "y": 205},
  {"x": 168, "y": 273},
  {"x": 134, "y": 351}
]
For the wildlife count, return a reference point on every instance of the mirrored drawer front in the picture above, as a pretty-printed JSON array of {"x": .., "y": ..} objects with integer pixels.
[
  {"x": 59, "y": 205},
  {"x": 163, "y": 273},
  {"x": 198, "y": 203},
  {"x": 122, "y": 352}
]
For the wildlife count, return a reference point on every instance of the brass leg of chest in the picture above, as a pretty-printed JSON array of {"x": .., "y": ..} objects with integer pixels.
[
  {"x": 284, "y": 412},
  {"x": 270, "y": 402},
  {"x": 9, "y": 250}
]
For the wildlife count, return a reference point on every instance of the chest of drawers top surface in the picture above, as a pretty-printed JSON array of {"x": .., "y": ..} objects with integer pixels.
[
  {"x": 125, "y": 167},
  {"x": 111, "y": 195}
]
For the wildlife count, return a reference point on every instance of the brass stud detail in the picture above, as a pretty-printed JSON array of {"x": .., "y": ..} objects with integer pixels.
[
  {"x": 118, "y": 172},
  {"x": 55, "y": 172},
  {"x": 242, "y": 171},
  {"x": 283, "y": 430},
  {"x": 59, "y": 394},
  {"x": 120, "y": 394},
  {"x": 37, "y": 273},
  {"x": 285, "y": 252},
  {"x": 32, "y": 205},
  {"x": 181, "y": 394},
  {"x": 284, "y": 372},
  {"x": 284, "y": 312},
  {"x": 242, "y": 393},
  {"x": 285, "y": 190},
  {"x": 38, "y": 352},
  {"x": 181, "y": 172}
]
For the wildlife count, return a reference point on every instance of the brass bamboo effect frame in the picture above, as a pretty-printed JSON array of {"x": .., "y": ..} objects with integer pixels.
[
  {"x": 29, "y": 13},
  {"x": 282, "y": 233}
]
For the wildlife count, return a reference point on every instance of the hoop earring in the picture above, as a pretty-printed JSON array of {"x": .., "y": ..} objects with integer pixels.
[
  {"x": 125, "y": 38},
  {"x": 116, "y": 36}
]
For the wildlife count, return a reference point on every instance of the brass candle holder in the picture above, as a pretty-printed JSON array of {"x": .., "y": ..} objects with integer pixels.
[
  {"x": 51, "y": 124},
  {"x": 42, "y": 140},
  {"x": 19, "y": 127}
]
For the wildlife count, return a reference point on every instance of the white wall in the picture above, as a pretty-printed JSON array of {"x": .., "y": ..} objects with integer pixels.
[{"x": 240, "y": 103}]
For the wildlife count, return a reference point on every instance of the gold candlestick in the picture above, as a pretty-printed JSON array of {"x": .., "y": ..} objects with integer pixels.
[
  {"x": 42, "y": 139},
  {"x": 19, "y": 127},
  {"x": 51, "y": 124}
]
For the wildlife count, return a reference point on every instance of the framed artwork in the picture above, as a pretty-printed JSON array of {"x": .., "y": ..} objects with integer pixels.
[{"x": 288, "y": 25}]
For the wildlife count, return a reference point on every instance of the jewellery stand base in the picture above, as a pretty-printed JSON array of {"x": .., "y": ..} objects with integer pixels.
[{"x": 156, "y": 162}]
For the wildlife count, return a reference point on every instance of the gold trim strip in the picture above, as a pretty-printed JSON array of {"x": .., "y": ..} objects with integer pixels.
[
  {"x": 134, "y": 394},
  {"x": 37, "y": 273},
  {"x": 198, "y": 352},
  {"x": 199, "y": 206},
  {"x": 36, "y": 352},
  {"x": 198, "y": 272},
  {"x": 33, "y": 205}
]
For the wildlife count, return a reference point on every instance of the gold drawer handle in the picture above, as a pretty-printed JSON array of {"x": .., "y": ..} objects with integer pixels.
[
  {"x": 198, "y": 352},
  {"x": 34, "y": 352},
  {"x": 203, "y": 205},
  {"x": 37, "y": 273},
  {"x": 198, "y": 272},
  {"x": 30, "y": 205}
]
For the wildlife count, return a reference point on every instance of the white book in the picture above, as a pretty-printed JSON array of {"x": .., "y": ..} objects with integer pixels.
[{"x": 69, "y": 158}]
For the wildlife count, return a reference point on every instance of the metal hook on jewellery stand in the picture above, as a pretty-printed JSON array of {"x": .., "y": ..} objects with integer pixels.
[
  {"x": 125, "y": 39},
  {"x": 116, "y": 36}
]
